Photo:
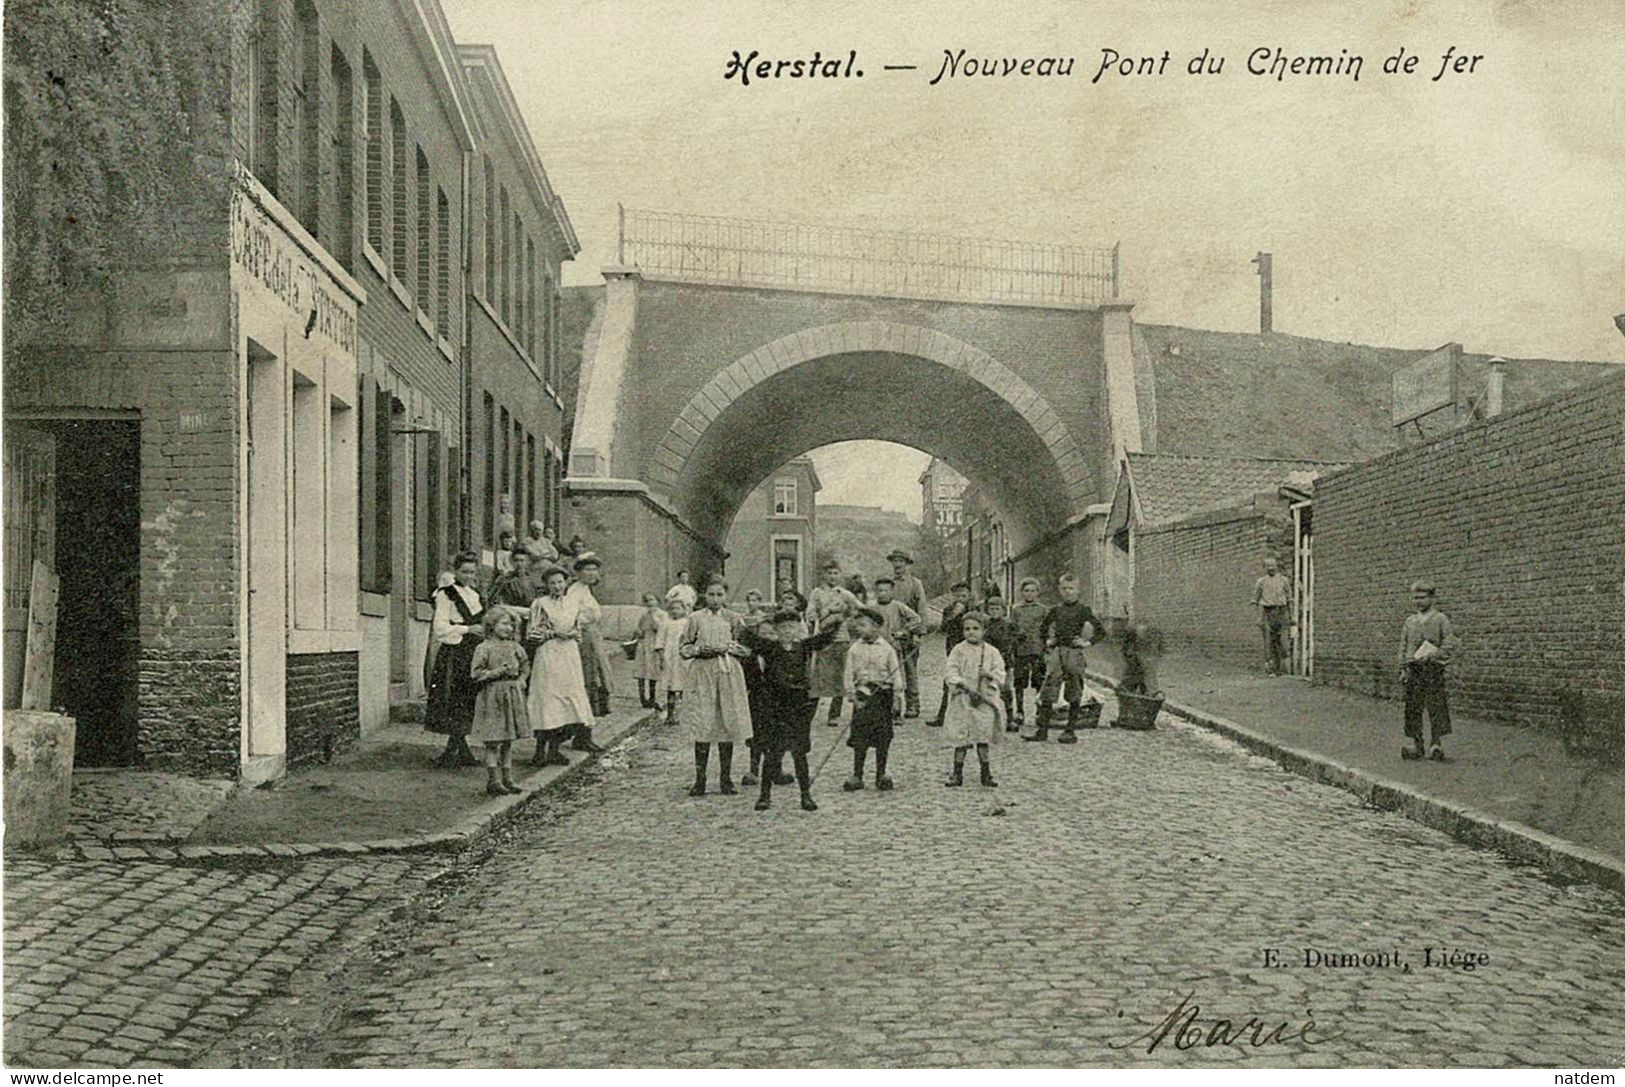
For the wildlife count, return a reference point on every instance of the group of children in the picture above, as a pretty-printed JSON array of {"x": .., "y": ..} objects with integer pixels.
[
  {"x": 757, "y": 675},
  {"x": 1041, "y": 648},
  {"x": 485, "y": 686}
]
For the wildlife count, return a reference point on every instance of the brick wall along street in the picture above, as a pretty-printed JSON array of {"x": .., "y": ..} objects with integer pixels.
[{"x": 1518, "y": 522}]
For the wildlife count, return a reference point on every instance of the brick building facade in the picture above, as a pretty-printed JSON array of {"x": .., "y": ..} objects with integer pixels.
[
  {"x": 520, "y": 235},
  {"x": 1185, "y": 538},
  {"x": 775, "y": 535},
  {"x": 236, "y": 363},
  {"x": 1520, "y": 522}
]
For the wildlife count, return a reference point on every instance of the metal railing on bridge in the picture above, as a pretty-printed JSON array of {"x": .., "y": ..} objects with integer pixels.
[{"x": 763, "y": 253}]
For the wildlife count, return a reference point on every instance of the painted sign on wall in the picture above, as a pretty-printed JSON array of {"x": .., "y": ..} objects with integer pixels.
[{"x": 264, "y": 252}]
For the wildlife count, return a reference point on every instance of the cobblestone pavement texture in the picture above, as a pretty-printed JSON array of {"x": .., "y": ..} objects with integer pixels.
[
  {"x": 121, "y": 965},
  {"x": 1510, "y": 772},
  {"x": 621, "y": 922},
  {"x": 128, "y": 805},
  {"x": 626, "y": 923}
]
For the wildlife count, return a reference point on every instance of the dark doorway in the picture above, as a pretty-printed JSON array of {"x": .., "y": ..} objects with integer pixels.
[{"x": 98, "y": 558}]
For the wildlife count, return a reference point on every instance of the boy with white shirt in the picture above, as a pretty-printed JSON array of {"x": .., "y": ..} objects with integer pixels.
[{"x": 1424, "y": 649}]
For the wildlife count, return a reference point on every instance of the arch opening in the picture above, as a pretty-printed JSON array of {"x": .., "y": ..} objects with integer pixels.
[{"x": 908, "y": 399}]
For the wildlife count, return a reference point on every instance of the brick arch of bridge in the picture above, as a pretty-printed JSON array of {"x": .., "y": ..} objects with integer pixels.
[{"x": 879, "y": 380}]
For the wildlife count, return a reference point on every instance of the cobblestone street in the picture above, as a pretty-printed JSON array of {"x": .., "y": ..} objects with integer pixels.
[
  {"x": 111, "y": 964},
  {"x": 627, "y": 923}
]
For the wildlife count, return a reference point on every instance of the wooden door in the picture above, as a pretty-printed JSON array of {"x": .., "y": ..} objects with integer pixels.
[{"x": 30, "y": 536}]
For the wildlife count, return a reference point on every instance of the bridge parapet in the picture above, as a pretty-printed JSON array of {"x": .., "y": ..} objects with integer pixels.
[{"x": 847, "y": 260}]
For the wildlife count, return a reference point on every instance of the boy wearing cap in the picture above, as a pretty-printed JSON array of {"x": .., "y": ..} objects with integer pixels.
[
  {"x": 1027, "y": 623},
  {"x": 902, "y": 626},
  {"x": 874, "y": 683},
  {"x": 953, "y": 632},
  {"x": 1424, "y": 649},
  {"x": 910, "y": 591},
  {"x": 831, "y": 599},
  {"x": 787, "y": 709}
]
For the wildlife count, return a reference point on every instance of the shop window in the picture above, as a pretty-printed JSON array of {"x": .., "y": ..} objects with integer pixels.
[
  {"x": 308, "y": 539},
  {"x": 507, "y": 462},
  {"x": 555, "y": 513},
  {"x": 530, "y": 480},
  {"x": 376, "y": 472}
]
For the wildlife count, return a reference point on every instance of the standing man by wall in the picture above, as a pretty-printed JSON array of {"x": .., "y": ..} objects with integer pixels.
[
  {"x": 1272, "y": 596},
  {"x": 909, "y": 590}
]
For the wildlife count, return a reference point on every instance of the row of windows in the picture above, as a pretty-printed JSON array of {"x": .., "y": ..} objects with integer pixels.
[
  {"x": 522, "y": 478},
  {"x": 299, "y": 183},
  {"x": 388, "y": 229},
  {"x": 407, "y": 215},
  {"x": 406, "y": 471},
  {"x": 527, "y": 301}
]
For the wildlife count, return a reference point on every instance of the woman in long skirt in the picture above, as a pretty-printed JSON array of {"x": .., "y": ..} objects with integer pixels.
[
  {"x": 595, "y": 669},
  {"x": 716, "y": 705},
  {"x": 558, "y": 703},
  {"x": 454, "y": 635}
]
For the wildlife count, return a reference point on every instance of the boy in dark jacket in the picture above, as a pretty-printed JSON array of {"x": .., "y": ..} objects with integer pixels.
[
  {"x": 787, "y": 709},
  {"x": 1069, "y": 628},
  {"x": 1001, "y": 635},
  {"x": 953, "y": 632}
]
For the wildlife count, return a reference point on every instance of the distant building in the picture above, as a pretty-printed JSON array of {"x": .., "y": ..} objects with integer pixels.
[
  {"x": 774, "y": 536},
  {"x": 942, "y": 492},
  {"x": 982, "y": 548}
]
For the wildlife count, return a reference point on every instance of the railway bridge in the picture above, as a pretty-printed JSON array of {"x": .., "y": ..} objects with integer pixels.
[{"x": 721, "y": 349}]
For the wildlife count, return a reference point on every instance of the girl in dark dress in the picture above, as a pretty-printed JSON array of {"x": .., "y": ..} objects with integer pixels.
[
  {"x": 454, "y": 636},
  {"x": 785, "y": 724}
]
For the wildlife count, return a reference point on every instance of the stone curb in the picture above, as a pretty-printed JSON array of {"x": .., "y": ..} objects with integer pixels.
[
  {"x": 1465, "y": 824},
  {"x": 473, "y": 827}
]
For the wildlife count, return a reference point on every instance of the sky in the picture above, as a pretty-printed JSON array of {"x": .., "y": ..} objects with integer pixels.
[{"x": 1484, "y": 207}]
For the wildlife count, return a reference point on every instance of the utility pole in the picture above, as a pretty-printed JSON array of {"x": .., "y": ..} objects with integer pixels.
[{"x": 1265, "y": 317}]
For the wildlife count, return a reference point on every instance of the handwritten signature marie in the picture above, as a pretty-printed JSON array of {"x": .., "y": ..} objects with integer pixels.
[{"x": 1185, "y": 1028}]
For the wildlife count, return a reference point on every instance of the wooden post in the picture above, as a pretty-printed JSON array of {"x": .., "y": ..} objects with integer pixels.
[{"x": 40, "y": 657}]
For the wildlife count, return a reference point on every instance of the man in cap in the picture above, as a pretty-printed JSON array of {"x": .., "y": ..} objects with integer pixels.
[
  {"x": 910, "y": 591},
  {"x": 1272, "y": 597}
]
